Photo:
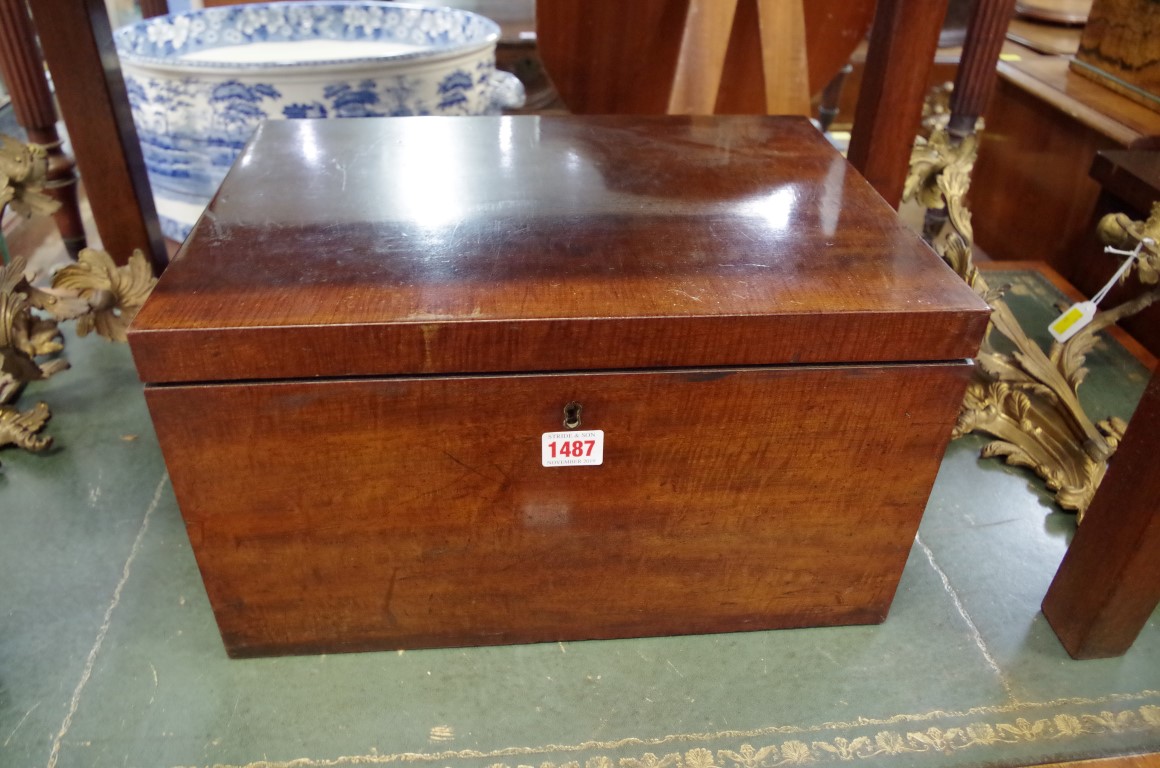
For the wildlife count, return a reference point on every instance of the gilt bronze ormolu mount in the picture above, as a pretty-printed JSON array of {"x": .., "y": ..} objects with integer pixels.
[
  {"x": 94, "y": 292},
  {"x": 1028, "y": 399}
]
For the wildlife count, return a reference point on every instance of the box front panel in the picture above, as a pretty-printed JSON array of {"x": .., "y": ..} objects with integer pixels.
[{"x": 402, "y": 513}]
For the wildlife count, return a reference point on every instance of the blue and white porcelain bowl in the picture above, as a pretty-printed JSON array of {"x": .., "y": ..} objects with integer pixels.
[{"x": 200, "y": 82}]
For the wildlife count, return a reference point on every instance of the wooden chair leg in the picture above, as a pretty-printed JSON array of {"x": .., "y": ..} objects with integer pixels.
[
  {"x": 23, "y": 71},
  {"x": 976, "y": 76},
  {"x": 831, "y": 95},
  {"x": 697, "y": 80},
  {"x": 902, "y": 46},
  {"x": 1109, "y": 582},
  {"x": 783, "y": 56},
  {"x": 78, "y": 45}
]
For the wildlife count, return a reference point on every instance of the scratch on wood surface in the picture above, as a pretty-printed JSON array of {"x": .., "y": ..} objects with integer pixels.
[
  {"x": 685, "y": 293},
  {"x": 391, "y": 619}
]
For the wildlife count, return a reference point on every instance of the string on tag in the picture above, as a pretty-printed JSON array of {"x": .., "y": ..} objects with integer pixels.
[
  {"x": 1078, "y": 315},
  {"x": 1128, "y": 262}
]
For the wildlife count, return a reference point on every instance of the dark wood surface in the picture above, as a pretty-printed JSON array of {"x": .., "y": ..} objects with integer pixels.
[
  {"x": 78, "y": 46},
  {"x": 903, "y": 41},
  {"x": 1132, "y": 176},
  {"x": 151, "y": 8},
  {"x": 1049, "y": 79},
  {"x": 1050, "y": 39},
  {"x": 454, "y": 245},
  {"x": 611, "y": 57},
  {"x": 414, "y": 512},
  {"x": 1109, "y": 581}
]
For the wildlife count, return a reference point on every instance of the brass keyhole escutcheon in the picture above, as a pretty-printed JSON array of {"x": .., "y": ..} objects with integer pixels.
[{"x": 572, "y": 415}]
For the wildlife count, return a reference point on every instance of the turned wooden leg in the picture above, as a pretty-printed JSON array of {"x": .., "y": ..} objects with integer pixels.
[
  {"x": 976, "y": 76},
  {"x": 77, "y": 41},
  {"x": 23, "y": 71},
  {"x": 1109, "y": 582},
  {"x": 831, "y": 94}
]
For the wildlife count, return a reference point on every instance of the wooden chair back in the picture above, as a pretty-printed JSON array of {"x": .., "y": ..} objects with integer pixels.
[{"x": 696, "y": 56}]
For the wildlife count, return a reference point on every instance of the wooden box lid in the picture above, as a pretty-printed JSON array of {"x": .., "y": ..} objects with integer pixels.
[{"x": 502, "y": 244}]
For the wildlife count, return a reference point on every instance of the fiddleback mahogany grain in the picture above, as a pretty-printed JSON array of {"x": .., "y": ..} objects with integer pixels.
[
  {"x": 410, "y": 513},
  {"x": 542, "y": 243},
  {"x": 350, "y": 386}
]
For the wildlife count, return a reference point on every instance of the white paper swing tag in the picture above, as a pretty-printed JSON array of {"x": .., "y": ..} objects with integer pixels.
[{"x": 1072, "y": 321}]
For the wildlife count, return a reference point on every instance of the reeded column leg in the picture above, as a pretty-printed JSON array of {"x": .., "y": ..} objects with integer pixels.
[
  {"x": 23, "y": 71},
  {"x": 976, "y": 75},
  {"x": 974, "y": 81}
]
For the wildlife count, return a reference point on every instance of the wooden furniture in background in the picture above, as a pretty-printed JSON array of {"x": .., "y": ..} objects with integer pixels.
[
  {"x": 78, "y": 46},
  {"x": 719, "y": 294},
  {"x": 23, "y": 71},
  {"x": 1121, "y": 49},
  {"x": 151, "y": 8},
  {"x": 1129, "y": 182},
  {"x": 1032, "y": 198},
  {"x": 701, "y": 56},
  {"x": 975, "y": 79},
  {"x": 1069, "y": 12},
  {"x": 610, "y": 57},
  {"x": 718, "y": 33},
  {"x": 1108, "y": 584},
  {"x": 785, "y": 67},
  {"x": 902, "y": 46},
  {"x": 1047, "y": 39}
]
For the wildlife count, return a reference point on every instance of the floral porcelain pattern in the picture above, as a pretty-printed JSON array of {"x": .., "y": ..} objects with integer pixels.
[
  {"x": 193, "y": 116},
  {"x": 167, "y": 39}
]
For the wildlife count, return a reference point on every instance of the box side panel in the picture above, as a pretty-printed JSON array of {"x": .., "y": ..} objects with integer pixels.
[{"x": 403, "y": 513}]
